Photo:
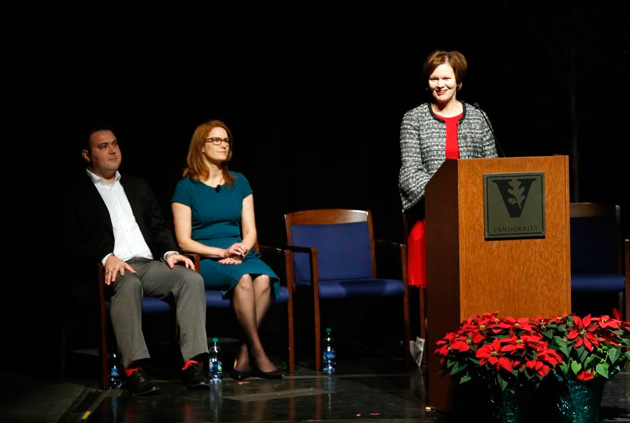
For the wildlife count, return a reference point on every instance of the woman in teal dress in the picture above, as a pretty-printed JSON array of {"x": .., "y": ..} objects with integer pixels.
[{"x": 213, "y": 212}]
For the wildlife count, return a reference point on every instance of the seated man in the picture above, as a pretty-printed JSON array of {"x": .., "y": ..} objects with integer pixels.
[{"x": 114, "y": 218}]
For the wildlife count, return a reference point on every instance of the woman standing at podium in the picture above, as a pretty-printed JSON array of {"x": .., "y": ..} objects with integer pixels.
[{"x": 443, "y": 128}]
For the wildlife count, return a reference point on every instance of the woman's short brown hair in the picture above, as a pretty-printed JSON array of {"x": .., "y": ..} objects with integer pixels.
[
  {"x": 453, "y": 58},
  {"x": 195, "y": 165}
]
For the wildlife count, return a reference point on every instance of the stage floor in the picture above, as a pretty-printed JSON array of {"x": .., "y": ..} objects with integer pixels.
[{"x": 375, "y": 389}]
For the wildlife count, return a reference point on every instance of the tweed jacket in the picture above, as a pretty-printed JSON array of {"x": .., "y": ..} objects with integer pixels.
[{"x": 423, "y": 147}]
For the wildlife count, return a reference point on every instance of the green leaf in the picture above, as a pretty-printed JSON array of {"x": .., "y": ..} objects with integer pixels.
[
  {"x": 465, "y": 378},
  {"x": 559, "y": 341},
  {"x": 576, "y": 367},
  {"x": 589, "y": 359},
  {"x": 458, "y": 368},
  {"x": 614, "y": 354},
  {"x": 582, "y": 353},
  {"x": 502, "y": 382},
  {"x": 602, "y": 369}
]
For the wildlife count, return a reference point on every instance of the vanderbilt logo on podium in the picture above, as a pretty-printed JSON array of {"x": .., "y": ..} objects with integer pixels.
[{"x": 514, "y": 205}]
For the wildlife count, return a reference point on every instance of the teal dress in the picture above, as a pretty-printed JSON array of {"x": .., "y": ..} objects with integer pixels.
[{"x": 216, "y": 222}]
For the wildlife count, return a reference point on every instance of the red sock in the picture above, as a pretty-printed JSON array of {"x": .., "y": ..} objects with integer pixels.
[
  {"x": 189, "y": 363},
  {"x": 129, "y": 370}
]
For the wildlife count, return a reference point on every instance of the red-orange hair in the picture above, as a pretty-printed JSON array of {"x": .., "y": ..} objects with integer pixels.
[{"x": 195, "y": 165}]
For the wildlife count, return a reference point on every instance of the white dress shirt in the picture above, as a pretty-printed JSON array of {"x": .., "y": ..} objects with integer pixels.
[{"x": 129, "y": 242}]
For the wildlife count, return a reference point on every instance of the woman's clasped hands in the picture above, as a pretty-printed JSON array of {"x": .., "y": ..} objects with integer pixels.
[{"x": 234, "y": 254}]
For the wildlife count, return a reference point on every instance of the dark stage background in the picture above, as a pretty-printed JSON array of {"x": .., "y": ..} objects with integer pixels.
[{"x": 314, "y": 93}]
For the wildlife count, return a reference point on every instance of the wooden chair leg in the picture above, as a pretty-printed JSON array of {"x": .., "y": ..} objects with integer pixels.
[
  {"x": 407, "y": 327},
  {"x": 318, "y": 335},
  {"x": 423, "y": 313},
  {"x": 291, "y": 337},
  {"x": 288, "y": 263},
  {"x": 103, "y": 354},
  {"x": 103, "y": 350},
  {"x": 423, "y": 321}
]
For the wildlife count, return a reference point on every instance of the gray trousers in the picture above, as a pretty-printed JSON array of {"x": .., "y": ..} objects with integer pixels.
[{"x": 155, "y": 279}]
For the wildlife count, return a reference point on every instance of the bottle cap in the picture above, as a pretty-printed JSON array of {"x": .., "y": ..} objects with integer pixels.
[
  {"x": 328, "y": 330},
  {"x": 215, "y": 339}
]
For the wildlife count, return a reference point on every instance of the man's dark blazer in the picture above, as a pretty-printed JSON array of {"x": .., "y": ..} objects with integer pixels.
[{"x": 86, "y": 226}]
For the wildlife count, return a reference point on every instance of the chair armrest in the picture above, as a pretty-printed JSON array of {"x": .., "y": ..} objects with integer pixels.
[
  {"x": 273, "y": 257},
  {"x": 299, "y": 249},
  {"x": 385, "y": 262},
  {"x": 313, "y": 269},
  {"x": 269, "y": 249},
  {"x": 94, "y": 272},
  {"x": 388, "y": 244}
]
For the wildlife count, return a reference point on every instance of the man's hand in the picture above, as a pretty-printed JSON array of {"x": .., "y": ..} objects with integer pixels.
[
  {"x": 174, "y": 258},
  {"x": 113, "y": 267}
]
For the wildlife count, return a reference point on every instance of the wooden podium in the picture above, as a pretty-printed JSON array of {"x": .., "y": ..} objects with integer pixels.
[{"x": 468, "y": 273}]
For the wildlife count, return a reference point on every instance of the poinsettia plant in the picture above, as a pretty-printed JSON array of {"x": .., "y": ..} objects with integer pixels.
[
  {"x": 506, "y": 351},
  {"x": 591, "y": 347}
]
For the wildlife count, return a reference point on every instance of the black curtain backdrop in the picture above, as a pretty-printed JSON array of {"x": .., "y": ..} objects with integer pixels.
[{"x": 314, "y": 92}]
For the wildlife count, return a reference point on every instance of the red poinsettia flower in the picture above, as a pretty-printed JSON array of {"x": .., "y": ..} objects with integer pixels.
[
  {"x": 519, "y": 343},
  {"x": 516, "y": 324},
  {"x": 492, "y": 354},
  {"x": 559, "y": 320},
  {"x": 552, "y": 357},
  {"x": 540, "y": 367},
  {"x": 448, "y": 338},
  {"x": 511, "y": 344},
  {"x": 473, "y": 330},
  {"x": 541, "y": 322},
  {"x": 547, "y": 355},
  {"x": 606, "y": 322},
  {"x": 585, "y": 375},
  {"x": 460, "y": 344},
  {"x": 583, "y": 333}
]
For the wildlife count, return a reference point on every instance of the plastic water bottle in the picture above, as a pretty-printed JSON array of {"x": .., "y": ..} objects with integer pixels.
[
  {"x": 215, "y": 364},
  {"x": 329, "y": 355},
  {"x": 115, "y": 378}
]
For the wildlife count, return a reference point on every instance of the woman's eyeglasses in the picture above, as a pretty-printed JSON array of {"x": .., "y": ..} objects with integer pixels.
[{"x": 218, "y": 141}]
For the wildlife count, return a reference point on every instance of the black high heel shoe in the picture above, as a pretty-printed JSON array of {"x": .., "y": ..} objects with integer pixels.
[
  {"x": 237, "y": 374},
  {"x": 275, "y": 374}
]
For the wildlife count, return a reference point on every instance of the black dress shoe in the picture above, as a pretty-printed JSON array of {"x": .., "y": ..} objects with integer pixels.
[
  {"x": 195, "y": 377},
  {"x": 138, "y": 383},
  {"x": 276, "y": 374}
]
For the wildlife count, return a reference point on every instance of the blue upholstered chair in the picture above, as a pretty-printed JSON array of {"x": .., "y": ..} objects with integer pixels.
[
  {"x": 334, "y": 258},
  {"x": 215, "y": 300},
  {"x": 149, "y": 306},
  {"x": 597, "y": 252}
]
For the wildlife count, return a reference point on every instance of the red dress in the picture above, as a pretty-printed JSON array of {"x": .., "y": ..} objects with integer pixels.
[{"x": 416, "y": 241}]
